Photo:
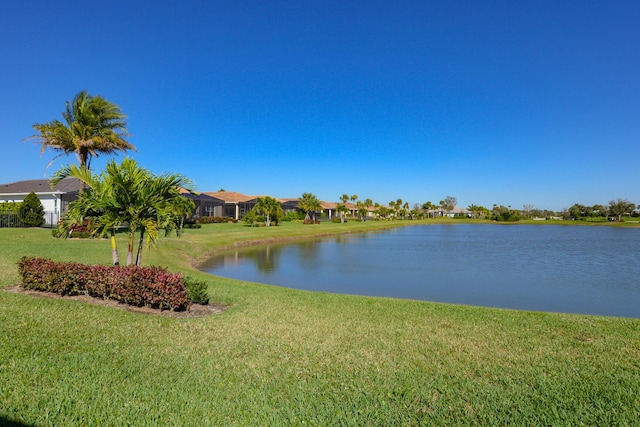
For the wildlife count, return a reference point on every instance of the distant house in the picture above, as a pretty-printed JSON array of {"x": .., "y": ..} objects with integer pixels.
[
  {"x": 205, "y": 205},
  {"x": 236, "y": 205},
  {"x": 54, "y": 200}
]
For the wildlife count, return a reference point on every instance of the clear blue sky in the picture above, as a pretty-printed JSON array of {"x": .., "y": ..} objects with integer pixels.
[{"x": 501, "y": 102}]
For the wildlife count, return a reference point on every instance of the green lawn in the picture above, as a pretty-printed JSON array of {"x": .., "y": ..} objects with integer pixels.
[{"x": 286, "y": 357}]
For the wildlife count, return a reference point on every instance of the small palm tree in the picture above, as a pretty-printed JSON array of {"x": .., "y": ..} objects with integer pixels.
[
  {"x": 92, "y": 126},
  {"x": 125, "y": 193},
  {"x": 270, "y": 208},
  {"x": 342, "y": 210},
  {"x": 310, "y": 204}
]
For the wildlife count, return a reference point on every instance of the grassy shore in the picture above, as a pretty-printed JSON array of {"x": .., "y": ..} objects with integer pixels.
[{"x": 286, "y": 357}]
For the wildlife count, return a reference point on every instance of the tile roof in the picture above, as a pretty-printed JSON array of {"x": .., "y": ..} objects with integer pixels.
[
  {"x": 230, "y": 196},
  {"x": 67, "y": 185}
]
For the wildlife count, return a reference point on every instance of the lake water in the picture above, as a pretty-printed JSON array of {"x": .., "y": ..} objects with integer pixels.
[{"x": 570, "y": 269}]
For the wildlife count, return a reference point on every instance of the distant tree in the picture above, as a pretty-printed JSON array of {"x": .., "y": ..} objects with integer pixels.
[
  {"x": 182, "y": 208},
  {"x": 526, "y": 210},
  {"x": 32, "y": 211},
  {"x": 505, "y": 213},
  {"x": 575, "y": 211},
  {"x": 621, "y": 207},
  {"x": 383, "y": 211},
  {"x": 362, "y": 211},
  {"x": 429, "y": 208},
  {"x": 478, "y": 211},
  {"x": 92, "y": 126},
  {"x": 270, "y": 208},
  {"x": 600, "y": 210},
  {"x": 310, "y": 204},
  {"x": 342, "y": 211},
  {"x": 354, "y": 198},
  {"x": 448, "y": 204}
]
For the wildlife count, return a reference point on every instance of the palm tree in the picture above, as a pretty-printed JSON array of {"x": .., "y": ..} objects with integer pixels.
[
  {"x": 92, "y": 126},
  {"x": 182, "y": 207},
  {"x": 309, "y": 203},
  {"x": 342, "y": 210},
  {"x": 95, "y": 204},
  {"x": 269, "y": 207},
  {"x": 126, "y": 193}
]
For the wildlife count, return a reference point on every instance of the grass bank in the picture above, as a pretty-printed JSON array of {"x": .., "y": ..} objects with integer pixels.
[{"x": 287, "y": 357}]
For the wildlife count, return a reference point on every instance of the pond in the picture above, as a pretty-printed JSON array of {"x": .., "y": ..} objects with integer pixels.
[{"x": 570, "y": 269}]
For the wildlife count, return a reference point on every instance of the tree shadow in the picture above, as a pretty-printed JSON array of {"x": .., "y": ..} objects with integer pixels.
[{"x": 7, "y": 422}]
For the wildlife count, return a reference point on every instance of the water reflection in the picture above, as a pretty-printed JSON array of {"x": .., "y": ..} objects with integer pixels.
[{"x": 591, "y": 270}]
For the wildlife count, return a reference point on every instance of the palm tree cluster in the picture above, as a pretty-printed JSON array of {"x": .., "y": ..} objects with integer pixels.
[{"x": 125, "y": 194}]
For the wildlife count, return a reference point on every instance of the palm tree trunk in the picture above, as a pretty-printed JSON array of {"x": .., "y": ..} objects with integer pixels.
[
  {"x": 114, "y": 248},
  {"x": 139, "y": 254},
  {"x": 130, "y": 246}
]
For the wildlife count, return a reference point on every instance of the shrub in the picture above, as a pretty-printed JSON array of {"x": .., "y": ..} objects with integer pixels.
[
  {"x": 196, "y": 290},
  {"x": 310, "y": 221},
  {"x": 139, "y": 286},
  {"x": 294, "y": 216},
  {"x": 32, "y": 211},
  {"x": 215, "y": 219}
]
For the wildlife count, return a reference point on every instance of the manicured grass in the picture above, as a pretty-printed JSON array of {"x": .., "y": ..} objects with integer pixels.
[{"x": 287, "y": 357}]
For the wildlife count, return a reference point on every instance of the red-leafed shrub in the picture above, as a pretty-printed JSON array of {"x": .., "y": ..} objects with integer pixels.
[
  {"x": 215, "y": 219},
  {"x": 139, "y": 286}
]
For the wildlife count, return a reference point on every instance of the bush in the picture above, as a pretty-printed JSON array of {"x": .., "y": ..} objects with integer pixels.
[
  {"x": 215, "y": 219},
  {"x": 32, "y": 211},
  {"x": 196, "y": 290},
  {"x": 310, "y": 221},
  {"x": 294, "y": 216},
  {"x": 337, "y": 220},
  {"x": 139, "y": 286}
]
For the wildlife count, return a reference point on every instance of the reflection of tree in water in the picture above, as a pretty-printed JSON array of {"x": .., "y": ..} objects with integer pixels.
[
  {"x": 266, "y": 257},
  {"x": 308, "y": 252}
]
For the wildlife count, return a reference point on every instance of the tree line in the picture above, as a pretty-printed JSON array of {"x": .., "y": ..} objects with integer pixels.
[{"x": 129, "y": 194}]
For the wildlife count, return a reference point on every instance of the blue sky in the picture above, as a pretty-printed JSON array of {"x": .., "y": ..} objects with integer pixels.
[{"x": 500, "y": 102}]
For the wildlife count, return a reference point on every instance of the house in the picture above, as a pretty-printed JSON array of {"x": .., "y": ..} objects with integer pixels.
[
  {"x": 236, "y": 205},
  {"x": 54, "y": 200},
  {"x": 205, "y": 205}
]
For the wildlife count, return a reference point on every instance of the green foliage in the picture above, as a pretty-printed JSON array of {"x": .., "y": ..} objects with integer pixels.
[
  {"x": 215, "y": 220},
  {"x": 6, "y": 207},
  {"x": 92, "y": 126},
  {"x": 505, "y": 214},
  {"x": 269, "y": 209},
  {"x": 310, "y": 204},
  {"x": 32, "y": 211},
  {"x": 139, "y": 286},
  {"x": 293, "y": 216},
  {"x": 287, "y": 357},
  {"x": 126, "y": 193},
  {"x": 197, "y": 290}
]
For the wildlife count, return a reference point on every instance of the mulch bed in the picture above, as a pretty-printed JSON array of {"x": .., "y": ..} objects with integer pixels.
[{"x": 196, "y": 310}]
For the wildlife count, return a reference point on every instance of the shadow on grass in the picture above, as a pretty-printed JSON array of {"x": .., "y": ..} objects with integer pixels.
[{"x": 7, "y": 422}]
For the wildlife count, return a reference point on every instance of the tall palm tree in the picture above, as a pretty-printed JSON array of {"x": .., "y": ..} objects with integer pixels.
[{"x": 92, "y": 126}]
